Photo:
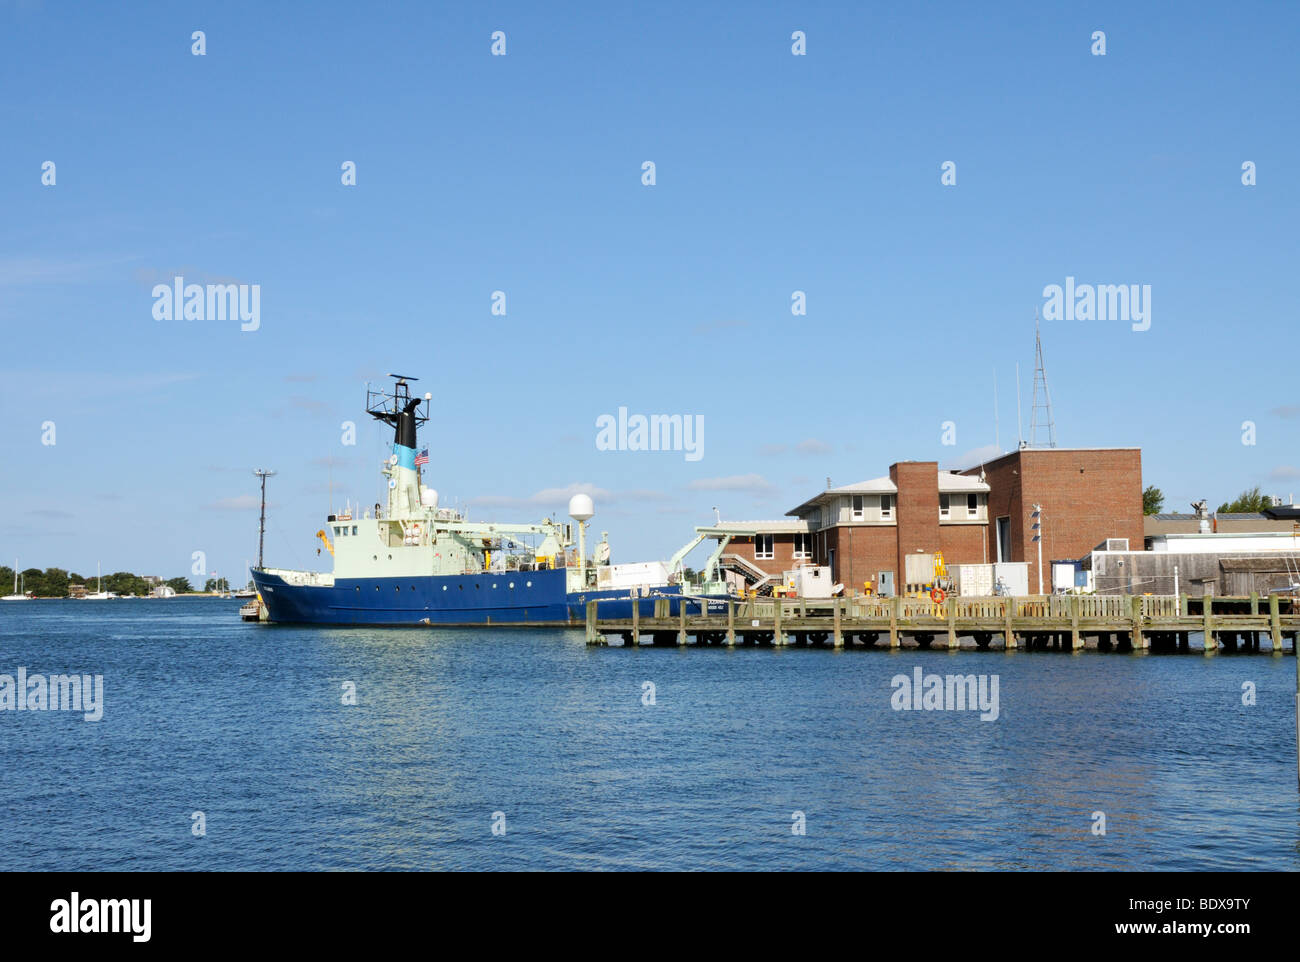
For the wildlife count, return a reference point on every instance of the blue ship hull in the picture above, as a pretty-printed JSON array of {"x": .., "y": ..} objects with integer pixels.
[{"x": 488, "y": 598}]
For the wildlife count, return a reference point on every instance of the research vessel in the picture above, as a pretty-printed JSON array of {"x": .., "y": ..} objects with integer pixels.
[{"x": 411, "y": 561}]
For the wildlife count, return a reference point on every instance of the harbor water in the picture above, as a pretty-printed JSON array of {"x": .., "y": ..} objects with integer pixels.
[{"x": 527, "y": 749}]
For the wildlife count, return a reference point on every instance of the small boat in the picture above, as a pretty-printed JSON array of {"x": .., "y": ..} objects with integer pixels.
[
  {"x": 101, "y": 594},
  {"x": 17, "y": 595},
  {"x": 254, "y": 610}
]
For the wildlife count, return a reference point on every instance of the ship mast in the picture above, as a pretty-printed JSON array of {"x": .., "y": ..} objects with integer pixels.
[
  {"x": 403, "y": 412},
  {"x": 261, "y": 524}
]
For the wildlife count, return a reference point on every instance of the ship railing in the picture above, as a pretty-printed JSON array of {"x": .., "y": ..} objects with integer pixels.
[{"x": 311, "y": 579}]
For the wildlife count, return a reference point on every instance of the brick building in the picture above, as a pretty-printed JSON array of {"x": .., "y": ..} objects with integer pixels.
[
  {"x": 1088, "y": 495},
  {"x": 866, "y": 532}
]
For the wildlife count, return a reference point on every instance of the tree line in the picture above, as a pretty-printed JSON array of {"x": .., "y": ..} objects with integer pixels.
[
  {"x": 54, "y": 582},
  {"x": 1248, "y": 502}
]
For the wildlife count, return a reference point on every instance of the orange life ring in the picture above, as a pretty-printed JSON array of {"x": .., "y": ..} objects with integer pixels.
[{"x": 937, "y": 595}]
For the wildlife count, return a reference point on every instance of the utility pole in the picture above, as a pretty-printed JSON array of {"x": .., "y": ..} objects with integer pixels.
[
  {"x": 261, "y": 526},
  {"x": 1037, "y": 527}
]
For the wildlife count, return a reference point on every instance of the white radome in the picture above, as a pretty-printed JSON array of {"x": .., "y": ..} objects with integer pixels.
[
  {"x": 429, "y": 497},
  {"x": 580, "y": 507}
]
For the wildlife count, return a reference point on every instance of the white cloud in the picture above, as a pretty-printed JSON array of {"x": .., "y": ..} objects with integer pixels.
[
  {"x": 559, "y": 497},
  {"x": 974, "y": 457},
  {"x": 547, "y": 497},
  {"x": 754, "y": 483},
  {"x": 813, "y": 446}
]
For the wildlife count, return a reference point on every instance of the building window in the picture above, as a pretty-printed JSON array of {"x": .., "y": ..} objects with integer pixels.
[
  {"x": 972, "y": 505},
  {"x": 802, "y": 546},
  {"x": 763, "y": 547},
  {"x": 945, "y": 507},
  {"x": 858, "y": 514},
  {"x": 886, "y": 507}
]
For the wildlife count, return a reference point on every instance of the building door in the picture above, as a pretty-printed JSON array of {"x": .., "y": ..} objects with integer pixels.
[
  {"x": 830, "y": 555},
  {"x": 885, "y": 585},
  {"x": 1004, "y": 539}
]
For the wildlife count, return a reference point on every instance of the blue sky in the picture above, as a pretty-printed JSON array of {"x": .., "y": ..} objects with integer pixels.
[{"x": 522, "y": 173}]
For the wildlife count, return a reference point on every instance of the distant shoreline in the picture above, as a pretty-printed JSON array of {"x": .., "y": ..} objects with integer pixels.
[{"x": 192, "y": 594}]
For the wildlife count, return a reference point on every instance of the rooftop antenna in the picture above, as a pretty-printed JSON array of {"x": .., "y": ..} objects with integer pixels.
[
  {"x": 261, "y": 525},
  {"x": 1020, "y": 423},
  {"x": 1045, "y": 404},
  {"x": 997, "y": 436}
]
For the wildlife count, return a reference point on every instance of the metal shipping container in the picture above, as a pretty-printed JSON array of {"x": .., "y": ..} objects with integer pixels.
[
  {"x": 974, "y": 579},
  {"x": 1014, "y": 575}
]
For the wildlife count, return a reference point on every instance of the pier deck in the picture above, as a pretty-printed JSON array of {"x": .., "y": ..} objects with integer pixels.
[{"x": 1071, "y": 622}]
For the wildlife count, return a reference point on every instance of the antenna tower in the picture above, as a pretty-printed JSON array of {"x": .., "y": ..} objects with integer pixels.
[{"x": 1041, "y": 413}]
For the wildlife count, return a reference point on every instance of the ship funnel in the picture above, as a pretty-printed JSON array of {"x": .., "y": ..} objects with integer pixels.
[{"x": 397, "y": 408}]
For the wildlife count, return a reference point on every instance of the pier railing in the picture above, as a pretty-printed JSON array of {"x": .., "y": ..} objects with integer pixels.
[{"x": 1127, "y": 621}]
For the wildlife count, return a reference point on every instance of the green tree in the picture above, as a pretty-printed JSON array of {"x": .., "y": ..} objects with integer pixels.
[
  {"x": 180, "y": 585},
  {"x": 1248, "y": 502},
  {"x": 1153, "y": 500},
  {"x": 50, "y": 583},
  {"x": 125, "y": 583}
]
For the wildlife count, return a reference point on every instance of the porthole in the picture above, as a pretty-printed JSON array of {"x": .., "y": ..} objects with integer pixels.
[
  {"x": 512, "y": 585},
  {"x": 376, "y": 587},
  {"x": 461, "y": 587},
  {"x": 528, "y": 584},
  {"x": 358, "y": 589},
  {"x": 397, "y": 589},
  {"x": 444, "y": 587},
  {"x": 494, "y": 586}
]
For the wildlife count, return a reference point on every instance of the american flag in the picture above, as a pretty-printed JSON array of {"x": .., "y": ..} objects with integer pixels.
[{"x": 422, "y": 457}]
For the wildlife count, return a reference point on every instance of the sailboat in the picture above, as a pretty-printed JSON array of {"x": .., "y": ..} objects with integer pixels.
[
  {"x": 17, "y": 595},
  {"x": 101, "y": 594},
  {"x": 245, "y": 592}
]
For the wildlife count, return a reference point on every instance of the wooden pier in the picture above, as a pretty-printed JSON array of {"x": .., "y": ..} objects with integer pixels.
[{"x": 1033, "y": 622}]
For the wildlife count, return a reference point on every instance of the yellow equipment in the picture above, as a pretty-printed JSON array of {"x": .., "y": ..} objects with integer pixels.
[
  {"x": 321, "y": 534},
  {"x": 939, "y": 579}
]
